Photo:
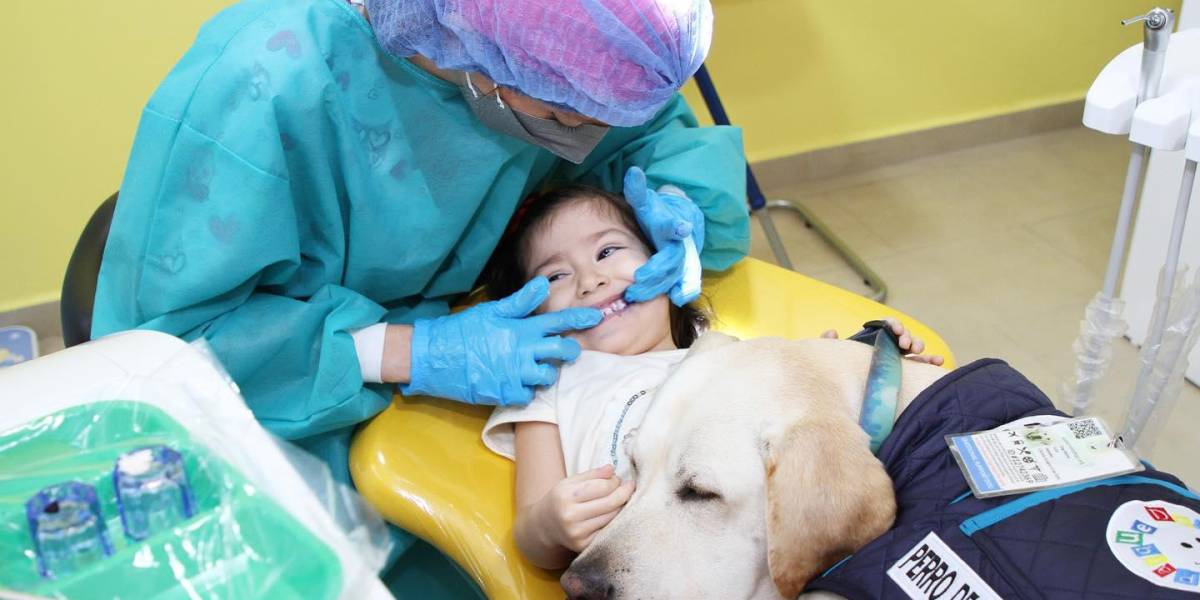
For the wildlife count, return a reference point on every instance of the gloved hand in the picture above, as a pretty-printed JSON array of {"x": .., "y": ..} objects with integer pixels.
[
  {"x": 494, "y": 353},
  {"x": 673, "y": 223}
]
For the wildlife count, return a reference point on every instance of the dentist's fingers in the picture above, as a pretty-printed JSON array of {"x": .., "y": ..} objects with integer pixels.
[
  {"x": 570, "y": 319},
  {"x": 656, "y": 277},
  {"x": 525, "y": 300},
  {"x": 539, "y": 374},
  {"x": 555, "y": 348},
  {"x": 671, "y": 230},
  {"x": 515, "y": 394},
  {"x": 683, "y": 229}
]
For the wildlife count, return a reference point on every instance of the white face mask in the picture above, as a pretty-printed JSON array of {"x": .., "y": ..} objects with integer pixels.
[{"x": 570, "y": 143}]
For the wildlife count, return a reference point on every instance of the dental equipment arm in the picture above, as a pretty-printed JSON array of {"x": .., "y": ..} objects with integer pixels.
[{"x": 1103, "y": 320}]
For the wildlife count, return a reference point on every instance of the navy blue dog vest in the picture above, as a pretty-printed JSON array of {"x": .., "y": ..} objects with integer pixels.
[{"x": 1055, "y": 543}]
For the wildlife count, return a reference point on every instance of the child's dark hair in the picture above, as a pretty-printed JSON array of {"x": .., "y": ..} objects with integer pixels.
[{"x": 505, "y": 272}]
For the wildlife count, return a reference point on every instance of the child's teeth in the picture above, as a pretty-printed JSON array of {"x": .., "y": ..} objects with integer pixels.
[{"x": 614, "y": 308}]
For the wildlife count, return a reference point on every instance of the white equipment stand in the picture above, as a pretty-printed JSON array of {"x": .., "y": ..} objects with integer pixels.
[{"x": 1165, "y": 125}]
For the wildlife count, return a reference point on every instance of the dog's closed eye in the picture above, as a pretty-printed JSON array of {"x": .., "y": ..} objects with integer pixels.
[{"x": 690, "y": 492}]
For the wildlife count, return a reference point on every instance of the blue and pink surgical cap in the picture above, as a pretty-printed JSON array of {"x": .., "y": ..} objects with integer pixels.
[{"x": 618, "y": 61}]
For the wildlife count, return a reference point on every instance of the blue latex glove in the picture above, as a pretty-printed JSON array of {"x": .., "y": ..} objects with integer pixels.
[
  {"x": 494, "y": 353},
  {"x": 673, "y": 223}
]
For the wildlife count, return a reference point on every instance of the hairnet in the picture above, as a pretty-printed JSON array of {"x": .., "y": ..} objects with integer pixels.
[{"x": 618, "y": 61}]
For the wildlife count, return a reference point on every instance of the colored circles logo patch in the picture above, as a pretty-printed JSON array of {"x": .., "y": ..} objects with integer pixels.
[{"x": 1159, "y": 542}]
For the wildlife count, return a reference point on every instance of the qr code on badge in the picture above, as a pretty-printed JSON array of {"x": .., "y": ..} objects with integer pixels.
[{"x": 1084, "y": 429}]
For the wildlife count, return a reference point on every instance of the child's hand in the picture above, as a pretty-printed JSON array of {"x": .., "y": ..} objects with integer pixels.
[
  {"x": 912, "y": 346},
  {"x": 579, "y": 506}
]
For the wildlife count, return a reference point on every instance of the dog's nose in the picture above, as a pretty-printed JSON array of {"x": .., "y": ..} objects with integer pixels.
[{"x": 586, "y": 582}]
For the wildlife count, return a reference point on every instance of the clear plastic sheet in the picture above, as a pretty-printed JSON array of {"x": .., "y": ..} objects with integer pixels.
[
  {"x": 151, "y": 479},
  {"x": 1163, "y": 364},
  {"x": 1101, "y": 324}
]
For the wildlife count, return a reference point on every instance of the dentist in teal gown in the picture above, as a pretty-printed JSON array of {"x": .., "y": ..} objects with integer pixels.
[{"x": 317, "y": 181}]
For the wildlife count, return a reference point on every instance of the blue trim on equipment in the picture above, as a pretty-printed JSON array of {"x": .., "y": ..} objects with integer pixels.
[{"x": 991, "y": 517}]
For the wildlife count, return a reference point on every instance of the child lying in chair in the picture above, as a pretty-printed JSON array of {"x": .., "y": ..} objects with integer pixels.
[{"x": 572, "y": 475}]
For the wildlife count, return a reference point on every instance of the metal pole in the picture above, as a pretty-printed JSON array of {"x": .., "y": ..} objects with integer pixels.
[
  {"x": 1116, "y": 259},
  {"x": 1116, "y": 254},
  {"x": 1142, "y": 404}
]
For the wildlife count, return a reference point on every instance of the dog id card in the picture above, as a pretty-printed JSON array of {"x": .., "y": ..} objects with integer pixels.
[{"x": 1023, "y": 456}]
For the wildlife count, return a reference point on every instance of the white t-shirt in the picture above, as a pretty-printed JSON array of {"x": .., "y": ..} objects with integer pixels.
[{"x": 596, "y": 402}]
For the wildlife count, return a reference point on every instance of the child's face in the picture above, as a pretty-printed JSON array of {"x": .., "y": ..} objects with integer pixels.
[{"x": 590, "y": 256}]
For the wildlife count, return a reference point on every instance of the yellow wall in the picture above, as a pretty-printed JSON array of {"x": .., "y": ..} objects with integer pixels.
[
  {"x": 805, "y": 74},
  {"x": 76, "y": 77},
  {"x": 796, "y": 74}
]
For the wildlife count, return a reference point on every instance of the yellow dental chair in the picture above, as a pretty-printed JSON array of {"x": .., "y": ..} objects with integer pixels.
[{"x": 422, "y": 464}]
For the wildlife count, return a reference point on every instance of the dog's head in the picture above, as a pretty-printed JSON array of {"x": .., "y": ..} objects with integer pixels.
[{"x": 752, "y": 478}]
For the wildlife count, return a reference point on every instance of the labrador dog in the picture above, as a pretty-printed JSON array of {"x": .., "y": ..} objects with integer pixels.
[{"x": 753, "y": 476}]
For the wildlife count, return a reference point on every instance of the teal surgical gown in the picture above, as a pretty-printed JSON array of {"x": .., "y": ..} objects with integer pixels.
[{"x": 291, "y": 182}]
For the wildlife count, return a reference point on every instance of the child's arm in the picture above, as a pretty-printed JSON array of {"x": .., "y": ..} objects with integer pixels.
[{"x": 557, "y": 516}]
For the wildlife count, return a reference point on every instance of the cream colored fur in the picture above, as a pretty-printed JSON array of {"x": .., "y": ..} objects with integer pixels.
[{"x": 753, "y": 476}]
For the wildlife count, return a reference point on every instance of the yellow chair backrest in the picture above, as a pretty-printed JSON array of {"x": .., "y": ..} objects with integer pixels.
[{"x": 422, "y": 464}]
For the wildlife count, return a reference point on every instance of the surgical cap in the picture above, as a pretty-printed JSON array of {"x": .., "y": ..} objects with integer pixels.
[{"x": 618, "y": 61}]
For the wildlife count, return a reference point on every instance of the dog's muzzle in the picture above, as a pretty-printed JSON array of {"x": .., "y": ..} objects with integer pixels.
[{"x": 588, "y": 579}]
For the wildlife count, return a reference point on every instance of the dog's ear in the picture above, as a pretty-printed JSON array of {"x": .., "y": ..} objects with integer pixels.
[
  {"x": 827, "y": 496},
  {"x": 710, "y": 340}
]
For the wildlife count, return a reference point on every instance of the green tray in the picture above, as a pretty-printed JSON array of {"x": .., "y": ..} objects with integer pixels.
[{"x": 239, "y": 544}]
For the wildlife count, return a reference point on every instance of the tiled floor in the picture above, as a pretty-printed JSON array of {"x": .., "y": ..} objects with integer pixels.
[{"x": 998, "y": 248}]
